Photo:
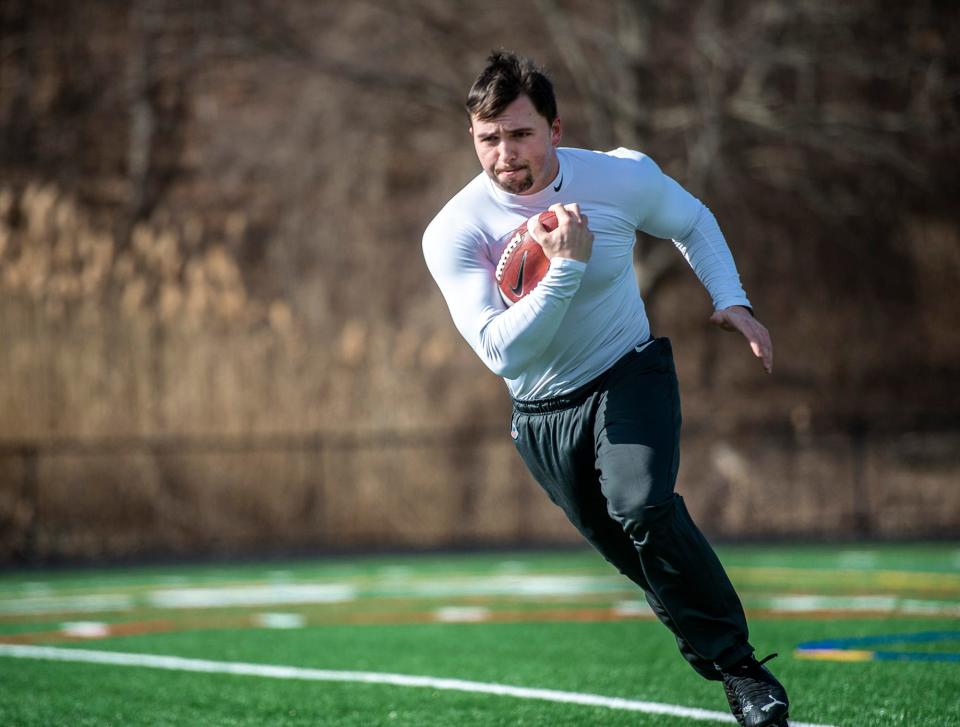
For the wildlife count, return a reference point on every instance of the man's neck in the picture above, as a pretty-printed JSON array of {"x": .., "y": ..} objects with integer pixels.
[{"x": 548, "y": 176}]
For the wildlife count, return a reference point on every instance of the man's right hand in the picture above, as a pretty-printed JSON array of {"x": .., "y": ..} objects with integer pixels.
[{"x": 572, "y": 238}]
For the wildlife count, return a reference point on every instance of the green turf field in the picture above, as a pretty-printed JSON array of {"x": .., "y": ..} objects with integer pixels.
[{"x": 559, "y": 621}]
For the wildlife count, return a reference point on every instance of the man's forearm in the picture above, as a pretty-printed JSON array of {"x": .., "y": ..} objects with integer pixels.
[
  {"x": 511, "y": 340},
  {"x": 706, "y": 249}
]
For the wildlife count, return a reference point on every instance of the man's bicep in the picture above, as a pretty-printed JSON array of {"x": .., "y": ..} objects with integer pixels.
[
  {"x": 473, "y": 302},
  {"x": 672, "y": 211},
  {"x": 469, "y": 289}
]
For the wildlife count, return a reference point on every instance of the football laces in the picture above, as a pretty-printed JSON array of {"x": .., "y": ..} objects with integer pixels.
[{"x": 507, "y": 251}]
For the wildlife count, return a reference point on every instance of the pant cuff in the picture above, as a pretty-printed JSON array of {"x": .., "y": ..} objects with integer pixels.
[{"x": 732, "y": 656}]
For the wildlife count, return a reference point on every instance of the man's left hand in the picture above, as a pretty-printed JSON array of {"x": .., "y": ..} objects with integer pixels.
[{"x": 739, "y": 318}]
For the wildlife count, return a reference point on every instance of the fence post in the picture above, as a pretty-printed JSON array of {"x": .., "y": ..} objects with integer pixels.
[{"x": 862, "y": 509}]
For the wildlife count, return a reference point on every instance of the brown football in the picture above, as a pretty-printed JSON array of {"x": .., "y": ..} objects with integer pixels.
[{"x": 523, "y": 264}]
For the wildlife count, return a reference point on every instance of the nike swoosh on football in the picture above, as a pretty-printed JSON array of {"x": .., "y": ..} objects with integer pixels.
[
  {"x": 518, "y": 287},
  {"x": 559, "y": 184}
]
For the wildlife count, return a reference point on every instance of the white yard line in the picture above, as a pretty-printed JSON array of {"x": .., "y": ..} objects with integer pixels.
[
  {"x": 462, "y": 614},
  {"x": 255, "y": 595},
  {"x": 86, "y": 629},
  {"x": 176, "y": 663},
  {"x": 94, "y": 603}
]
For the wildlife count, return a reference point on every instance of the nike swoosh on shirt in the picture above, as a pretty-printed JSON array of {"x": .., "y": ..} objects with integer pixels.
[
  {"x": 559, "y": 184},
  {"x": 518, "y": 287}
]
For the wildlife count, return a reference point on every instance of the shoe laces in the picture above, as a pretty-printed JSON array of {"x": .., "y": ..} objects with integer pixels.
[{"x": 750, "y": 681}]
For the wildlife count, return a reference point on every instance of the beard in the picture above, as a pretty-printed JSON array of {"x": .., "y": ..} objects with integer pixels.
[{"x": 516, "y": 184}]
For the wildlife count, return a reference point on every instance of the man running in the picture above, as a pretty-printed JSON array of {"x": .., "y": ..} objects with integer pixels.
[{"x": 596, "y": 408}]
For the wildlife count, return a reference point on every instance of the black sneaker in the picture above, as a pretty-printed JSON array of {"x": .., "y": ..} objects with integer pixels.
[{"x": 756, "y": 698}]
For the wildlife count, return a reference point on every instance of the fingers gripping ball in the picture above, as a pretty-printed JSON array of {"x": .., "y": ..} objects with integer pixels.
[{"x": 523, "y": 263}]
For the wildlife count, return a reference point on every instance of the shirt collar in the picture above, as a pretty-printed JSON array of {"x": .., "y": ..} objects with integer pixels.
[{"x": 539, "y": 200}]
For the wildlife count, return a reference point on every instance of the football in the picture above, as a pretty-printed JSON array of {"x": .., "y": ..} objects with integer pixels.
[{"x": 523, "y": 264}]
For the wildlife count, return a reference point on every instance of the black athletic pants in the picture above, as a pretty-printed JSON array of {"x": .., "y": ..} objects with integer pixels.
[{"x": 608, "y": 455}]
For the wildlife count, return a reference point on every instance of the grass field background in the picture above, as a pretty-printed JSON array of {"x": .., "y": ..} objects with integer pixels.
[{"x": 561, "y": 620}]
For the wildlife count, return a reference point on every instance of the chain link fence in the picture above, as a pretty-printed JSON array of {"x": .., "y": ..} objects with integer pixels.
[{"x": 142, "y": 497}]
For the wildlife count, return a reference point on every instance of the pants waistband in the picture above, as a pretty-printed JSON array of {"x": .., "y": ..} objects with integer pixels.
[{"x": 579, "y": 395}]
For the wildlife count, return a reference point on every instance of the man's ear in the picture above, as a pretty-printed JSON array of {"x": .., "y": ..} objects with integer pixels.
[{"x": 556, "y": 132}]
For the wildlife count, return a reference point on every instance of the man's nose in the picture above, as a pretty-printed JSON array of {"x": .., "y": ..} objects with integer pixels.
[{"x": 508, "y": 150}]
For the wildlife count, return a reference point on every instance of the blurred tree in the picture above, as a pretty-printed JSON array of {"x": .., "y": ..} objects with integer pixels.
[
  {"x": 315, "y": 139},
  {"x": 210, "y": 213}
]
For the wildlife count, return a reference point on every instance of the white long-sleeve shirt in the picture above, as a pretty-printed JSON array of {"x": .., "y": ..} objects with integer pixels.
[{"x": 582, "y": 317}]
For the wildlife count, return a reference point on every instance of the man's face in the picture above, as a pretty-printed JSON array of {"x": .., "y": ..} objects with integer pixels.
[{"x": 518, "y": 148}]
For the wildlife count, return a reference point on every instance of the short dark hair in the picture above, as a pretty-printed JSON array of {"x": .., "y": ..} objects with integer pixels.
[{"x": 504, "y": 79}]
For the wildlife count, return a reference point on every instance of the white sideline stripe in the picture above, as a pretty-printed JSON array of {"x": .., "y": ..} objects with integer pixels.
[{"x": 176, "y": 663}]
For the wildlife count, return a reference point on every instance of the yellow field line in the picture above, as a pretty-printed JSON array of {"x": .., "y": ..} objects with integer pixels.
[{"x": 833, "y": 654}]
